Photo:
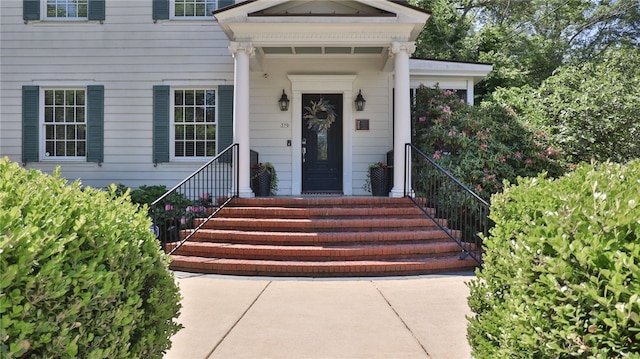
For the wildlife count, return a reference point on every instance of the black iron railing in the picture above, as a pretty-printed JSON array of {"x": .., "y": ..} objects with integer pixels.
[
  {"x": 455, "y": 208},
  {"x": 185, "y": 208}
]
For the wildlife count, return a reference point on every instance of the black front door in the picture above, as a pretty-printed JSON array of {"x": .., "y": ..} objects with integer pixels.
[{"x": 321, "y": 143}]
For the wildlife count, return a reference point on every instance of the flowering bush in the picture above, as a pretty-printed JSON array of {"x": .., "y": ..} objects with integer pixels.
[{"x": 481, "y": 146}]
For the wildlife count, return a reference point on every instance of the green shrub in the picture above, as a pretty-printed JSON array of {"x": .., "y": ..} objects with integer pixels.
[
  {"x": 561, "y": 274},
  {"x": 480, "y": 145},
  {"x": 82, "y": 275}
]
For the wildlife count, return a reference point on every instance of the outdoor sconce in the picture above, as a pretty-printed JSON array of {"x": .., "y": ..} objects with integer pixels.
[
  {"x": 283, "y": 102},
  {"x": 360, "y": 101}
]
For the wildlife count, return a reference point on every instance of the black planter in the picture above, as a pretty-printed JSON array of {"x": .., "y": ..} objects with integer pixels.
[
  {"x": 261, "y": 182},
  {"x": 380, "y": 181}
]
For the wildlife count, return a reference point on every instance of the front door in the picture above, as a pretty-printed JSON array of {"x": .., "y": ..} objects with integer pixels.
[{"x": 321, "y": 143}]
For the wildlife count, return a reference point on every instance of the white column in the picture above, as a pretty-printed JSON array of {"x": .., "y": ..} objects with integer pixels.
[
  {"x": 402, "y": 113},
  {"x": 242, "y": 52}
]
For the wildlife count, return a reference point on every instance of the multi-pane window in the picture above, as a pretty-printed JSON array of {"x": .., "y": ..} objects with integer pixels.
[
  {"x": 67, "y": 9},
  {"x": 194, "y": 123},
  {"x": 65, "y": 124},
  {"x": 195, "y": 7}
]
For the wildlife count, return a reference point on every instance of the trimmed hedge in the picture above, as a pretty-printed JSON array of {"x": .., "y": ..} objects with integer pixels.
[
  {"x": 82, "y": 275},
  {"x": 561, "y": 276}
]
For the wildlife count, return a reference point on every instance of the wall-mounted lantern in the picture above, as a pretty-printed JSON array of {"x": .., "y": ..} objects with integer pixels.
[
  {"x": 283, "y": 102},
  {"x": 360, "y": 101}
]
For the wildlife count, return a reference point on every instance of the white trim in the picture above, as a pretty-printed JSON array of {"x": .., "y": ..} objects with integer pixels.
[
  {"x": 172, "y": 133},
  {"x": 44, "y": 17},
  {"x": 42, "y": 132},
  {"x": 173, "y": 16},
  {"x": 342, "y": 84}
]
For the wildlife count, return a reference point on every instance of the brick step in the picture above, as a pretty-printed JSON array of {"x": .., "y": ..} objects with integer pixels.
[
  {"x": 314, "y": 224},
  {"x": 319, "y": 253},
  {"x": 318, "y": 238},
  {"x": 321, "y": 212},
  {"x": 321, "y": 268},
  {"x": 310, "y": 202}
]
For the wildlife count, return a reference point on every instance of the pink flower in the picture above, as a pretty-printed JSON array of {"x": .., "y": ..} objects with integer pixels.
[
  {"x": 528, "y": 161},
  {"x": 518, "y": 154},
  {"x": 196, "y": 209},
  {"x": 437, "y": 154},
  {"x": 483, "y": 146},
  {"x": 204, "y": 195},
  {"x": 479, "y": 188},
  {"x": 183, "y": 220},
  {"x": 446, "y": 109},
  {"x": 503, "y": 159},
  {"x": 189, "y": 209},
  {"x": 168, "y": 207},
  {"x": 422, "y": 119},
  {"x": 452, "y": 133},
  {"x": 448, "y": 92}
]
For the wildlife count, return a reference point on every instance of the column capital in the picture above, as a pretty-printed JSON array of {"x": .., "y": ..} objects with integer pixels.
[
  {"x": 247, "y": 47},
  {"x": 396, "y": 47}
]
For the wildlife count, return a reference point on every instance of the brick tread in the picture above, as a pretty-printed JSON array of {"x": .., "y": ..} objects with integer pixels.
[
  {"x": 319, "y": 224},
  {"x": 316, "y": 253},
  {"x": 319, "y": 212},
  {"x": 322, "y": 268},
  {"x": 317, "y": 238}
]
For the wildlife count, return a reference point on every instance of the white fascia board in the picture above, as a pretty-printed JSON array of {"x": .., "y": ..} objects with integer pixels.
[{"x": 435, "y": 68}]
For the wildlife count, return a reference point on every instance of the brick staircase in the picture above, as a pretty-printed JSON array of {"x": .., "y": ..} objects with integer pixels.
[{"x": 320, "y": 237}]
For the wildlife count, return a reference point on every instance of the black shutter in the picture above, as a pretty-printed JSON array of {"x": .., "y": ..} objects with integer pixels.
[
  {"x": 225, "y": 116},
  {"x": 225, "y": 3},
  {"x": 30, "y": 123},
  {"x": 31, "y": 10},
  {"x": 160, "y": 9},
  {"x": 96, "y": 10},
  {"x": 95, "y": 123},
  {"x": 161, "y": 124}
]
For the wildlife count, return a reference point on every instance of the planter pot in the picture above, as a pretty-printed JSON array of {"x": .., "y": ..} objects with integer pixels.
[
  {"x": 261, "y": 182},
  {"x": 380, "y": 181}
]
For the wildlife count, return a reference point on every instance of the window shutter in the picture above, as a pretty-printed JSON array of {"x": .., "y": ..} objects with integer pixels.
[
  {"x": 225, "y": 116},
  {"x": 31, "y": 10},
  {"x": 160, "y": 9},
  {"x": 225, "y": 3},
  {"x": 95, "y": 123},
  {"x": 161, "y": 124},
  {"x": 96, "y": 10},
  {"x": 30, "y": 123}
]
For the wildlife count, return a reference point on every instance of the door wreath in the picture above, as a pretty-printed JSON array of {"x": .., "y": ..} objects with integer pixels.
[{"x": 320, "y": 115}]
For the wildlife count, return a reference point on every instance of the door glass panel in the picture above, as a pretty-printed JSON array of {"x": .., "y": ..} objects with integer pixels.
[{"x": 322, "y": 145}]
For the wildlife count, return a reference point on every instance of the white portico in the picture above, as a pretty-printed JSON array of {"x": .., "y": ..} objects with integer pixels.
[{"x": 322, "y": 52}]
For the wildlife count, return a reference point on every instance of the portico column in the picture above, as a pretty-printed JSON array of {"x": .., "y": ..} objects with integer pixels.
[
  {"x": 241, "y": 52},
  {"x": 401, "y": 113}
]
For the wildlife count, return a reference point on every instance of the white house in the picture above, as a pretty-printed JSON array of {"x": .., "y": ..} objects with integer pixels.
[{"x": 144, "y": 92}]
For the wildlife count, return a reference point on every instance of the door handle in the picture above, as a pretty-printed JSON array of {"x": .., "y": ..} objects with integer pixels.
[{"x": 304, "y": 149}]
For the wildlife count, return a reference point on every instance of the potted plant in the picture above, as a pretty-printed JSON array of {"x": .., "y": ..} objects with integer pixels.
[
  {"x": 378, "y": 180},
  {"x": 264, "y": 180}
]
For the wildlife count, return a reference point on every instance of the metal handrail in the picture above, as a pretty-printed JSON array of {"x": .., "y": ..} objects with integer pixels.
[
  {"x": 453, "y": 206},
  {"x": 196, "y": 199}
]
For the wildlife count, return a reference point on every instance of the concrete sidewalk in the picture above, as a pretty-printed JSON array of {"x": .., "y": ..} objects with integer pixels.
[{"x": 255, "y": 317}]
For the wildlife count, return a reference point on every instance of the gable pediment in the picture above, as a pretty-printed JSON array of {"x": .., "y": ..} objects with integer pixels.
[{"x": 322, "y": 8}]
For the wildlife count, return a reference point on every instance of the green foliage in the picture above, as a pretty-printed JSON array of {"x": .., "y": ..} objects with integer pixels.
[
  {"x": 82, "y": 276},
  {"x": 561, "y": 274},
  {"x": 481, "y": 146},
  {"x": 589, "y": 110}
]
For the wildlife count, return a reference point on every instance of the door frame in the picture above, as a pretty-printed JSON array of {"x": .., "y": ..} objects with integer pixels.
[{"x": 309, "y": 84}]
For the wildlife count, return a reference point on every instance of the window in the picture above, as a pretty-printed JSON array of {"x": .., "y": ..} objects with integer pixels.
[
  {"x": 67, "y": 9},
  {"x": 194, "y": 123},
  {"x": 65, "y": 125},
  {"x": 194, "y": 8}
]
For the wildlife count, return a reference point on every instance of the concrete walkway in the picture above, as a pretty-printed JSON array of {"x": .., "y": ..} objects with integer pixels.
[{"x": 251, "y": 317}]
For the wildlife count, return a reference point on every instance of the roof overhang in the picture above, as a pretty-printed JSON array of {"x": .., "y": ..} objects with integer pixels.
[
  {"x": 328, "y": 27},
  {"x": 441, "y": 68}
]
